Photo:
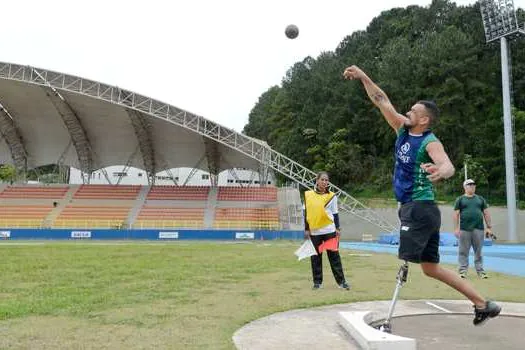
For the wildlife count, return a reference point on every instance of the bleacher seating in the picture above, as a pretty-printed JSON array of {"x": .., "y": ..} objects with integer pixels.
[
  {"x": 23, "y": 216},
  {"x": 164, "y": 192},
  {"x": 264, "y": 194},
  {"x": 107, "y": 192},
  {"x": 169, "y": 217},
  {"x": 110, "y": 206},
  {"x": 249, "y": 218},
  {"x": 41, "y": 192},
  {"x": 92, "y": 216}
]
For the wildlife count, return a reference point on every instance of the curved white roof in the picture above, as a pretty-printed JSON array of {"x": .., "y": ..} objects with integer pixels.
[{"x": 50, "y": 117}]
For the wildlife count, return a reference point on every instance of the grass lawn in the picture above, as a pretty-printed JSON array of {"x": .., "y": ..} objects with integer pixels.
[{"x": 181, "y": 295}]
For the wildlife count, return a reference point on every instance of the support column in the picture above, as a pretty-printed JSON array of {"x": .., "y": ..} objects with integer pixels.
[{"x": 509, "y": 144}]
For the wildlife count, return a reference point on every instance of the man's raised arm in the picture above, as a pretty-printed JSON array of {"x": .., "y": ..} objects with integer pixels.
[{"x": 377, "y": 96}]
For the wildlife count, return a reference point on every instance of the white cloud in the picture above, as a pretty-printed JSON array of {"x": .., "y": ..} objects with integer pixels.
[{"x": 213, "y": 58}]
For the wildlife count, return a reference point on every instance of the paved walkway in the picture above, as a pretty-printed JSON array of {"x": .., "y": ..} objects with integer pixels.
[{"x": 435, "y": 324}]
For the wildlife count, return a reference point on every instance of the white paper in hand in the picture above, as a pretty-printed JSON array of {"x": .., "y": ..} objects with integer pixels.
[{"x": 306, "y": 250}]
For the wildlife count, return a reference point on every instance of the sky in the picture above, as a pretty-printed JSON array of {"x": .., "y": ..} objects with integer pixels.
[{"x": 213, "y": 58}]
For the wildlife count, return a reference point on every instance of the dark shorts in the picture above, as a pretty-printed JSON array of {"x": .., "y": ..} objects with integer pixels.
[{"x": 419, "y": 232}]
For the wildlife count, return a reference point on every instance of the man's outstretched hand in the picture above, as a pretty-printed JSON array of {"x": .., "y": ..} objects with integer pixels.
[{"x": 353, "y": 72}]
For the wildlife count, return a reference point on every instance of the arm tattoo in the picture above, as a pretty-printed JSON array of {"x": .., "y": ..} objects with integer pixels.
[{"x": 378, "y": 97}]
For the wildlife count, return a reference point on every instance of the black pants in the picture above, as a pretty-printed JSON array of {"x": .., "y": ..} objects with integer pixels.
[{"x": 333, "y": 257}]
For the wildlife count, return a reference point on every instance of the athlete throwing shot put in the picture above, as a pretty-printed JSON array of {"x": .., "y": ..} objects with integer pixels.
[{"x": 420, "y": 160}]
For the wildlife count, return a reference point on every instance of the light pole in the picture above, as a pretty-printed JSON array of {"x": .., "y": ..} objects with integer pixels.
[{"x": 499, "y": 22}]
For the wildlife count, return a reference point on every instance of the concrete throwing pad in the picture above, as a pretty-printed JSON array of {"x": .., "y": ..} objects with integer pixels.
[
  {"x": 503, "y": 332},
  {"x": 439, "y": 323},
  {"x": 357, "y": 324}
]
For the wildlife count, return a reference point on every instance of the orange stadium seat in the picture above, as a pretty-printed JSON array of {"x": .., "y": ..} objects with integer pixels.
[
  {"x": 165, "y": 192},
  {"x": 23, "y": 216},
  {"x": 107, "y": 192},
  {"x": 92, "y": 216},
  {"x": 169, "y": 217},
  {"x": 249, "y": 218},
  {"x": 43, "y": 192},
  {"x": 263, "y": 194}
]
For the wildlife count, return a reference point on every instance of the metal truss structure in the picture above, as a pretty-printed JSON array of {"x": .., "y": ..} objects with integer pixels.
[
  {"x": 256, "y": 149},
  {"x": 142, "y": 129},
  {"x": 126, "y": 167},
  {"x": 212, "y": 156},
  {"x": 73, "y": 125},
  {"x": 11, "y": 134}
]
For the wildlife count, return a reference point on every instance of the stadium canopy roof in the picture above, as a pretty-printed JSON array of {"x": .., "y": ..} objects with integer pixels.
[
  {"x": 54, "y": 118},
  {"x": 48, "y": 117}
]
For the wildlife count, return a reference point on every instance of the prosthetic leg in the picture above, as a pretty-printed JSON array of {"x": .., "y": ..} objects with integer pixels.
[{"x": 401, "y": 279}]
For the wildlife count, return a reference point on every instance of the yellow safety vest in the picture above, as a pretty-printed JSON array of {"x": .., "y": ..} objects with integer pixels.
[{"x": 315, "y": 204}]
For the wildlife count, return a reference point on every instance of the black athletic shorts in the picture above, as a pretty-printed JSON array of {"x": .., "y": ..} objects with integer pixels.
[{"x": 419, "y": 231}]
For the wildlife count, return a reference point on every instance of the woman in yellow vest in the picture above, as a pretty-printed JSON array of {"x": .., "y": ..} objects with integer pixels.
[{"x": 321, "y": 221}]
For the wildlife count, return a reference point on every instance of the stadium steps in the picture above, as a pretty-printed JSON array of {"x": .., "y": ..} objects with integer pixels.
[
  {"x": 139, "y": 203},
  {"x": 211, "y": 204},
  {"x": 68, "y": 197}
]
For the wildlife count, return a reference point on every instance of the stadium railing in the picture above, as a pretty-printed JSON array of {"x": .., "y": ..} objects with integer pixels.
[
  {"x": 163, "y": 224},
  {"x": 20, "y": 223}
]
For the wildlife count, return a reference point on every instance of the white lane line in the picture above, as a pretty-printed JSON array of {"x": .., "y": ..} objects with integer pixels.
[{"x": 438, "y": 307}]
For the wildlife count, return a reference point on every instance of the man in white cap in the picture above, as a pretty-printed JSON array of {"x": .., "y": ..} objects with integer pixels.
[{"x": 469, "y": 211}]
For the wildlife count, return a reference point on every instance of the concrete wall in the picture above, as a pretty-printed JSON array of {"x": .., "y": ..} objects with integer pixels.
[{"x": 136, "y": 176}]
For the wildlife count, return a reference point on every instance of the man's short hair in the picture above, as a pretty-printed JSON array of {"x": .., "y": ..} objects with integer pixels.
[{"x": 432, "y": 110}]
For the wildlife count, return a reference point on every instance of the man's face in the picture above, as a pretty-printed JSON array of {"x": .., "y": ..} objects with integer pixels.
[
  {"x": 470, "y": 189},
  {"x": 416, "y": 116}
]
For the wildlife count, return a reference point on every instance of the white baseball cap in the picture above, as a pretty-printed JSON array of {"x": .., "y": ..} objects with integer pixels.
[{"x": 468, "y": 182}]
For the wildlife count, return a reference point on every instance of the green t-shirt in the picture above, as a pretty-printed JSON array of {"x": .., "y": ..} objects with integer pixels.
[{"x": 470, "y": 212}]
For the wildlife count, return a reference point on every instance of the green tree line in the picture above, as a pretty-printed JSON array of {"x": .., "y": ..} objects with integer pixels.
[
  {"x": 51, "y": 173},
  {"x": 436, "y": 52}
]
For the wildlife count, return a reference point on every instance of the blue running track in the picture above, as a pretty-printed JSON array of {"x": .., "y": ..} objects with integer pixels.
[{"x": 504, "y": 258}]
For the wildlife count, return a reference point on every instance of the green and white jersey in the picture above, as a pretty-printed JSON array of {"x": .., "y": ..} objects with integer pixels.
[{"x": 410, "y": 181}]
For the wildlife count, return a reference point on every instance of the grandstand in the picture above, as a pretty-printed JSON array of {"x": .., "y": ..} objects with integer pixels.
[
  {"x": 48, "y": 117},
  {"x": 139, "y": 207},
  {"x": 95, "y": 206},
  {"x": 28, "y": 206}
]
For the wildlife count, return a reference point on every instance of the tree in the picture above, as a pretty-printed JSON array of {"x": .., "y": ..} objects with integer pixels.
[
  {"x": 436, "y": 52},
  {"x": 7, "y": 173}
]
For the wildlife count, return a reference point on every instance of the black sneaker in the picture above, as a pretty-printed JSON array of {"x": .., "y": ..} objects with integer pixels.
[
  {"x": 490, "y": 310},
  {"x": 344, "y": 285},
  {"x": 463, "y": 274},
  {"x": 317, "y": 286}
]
